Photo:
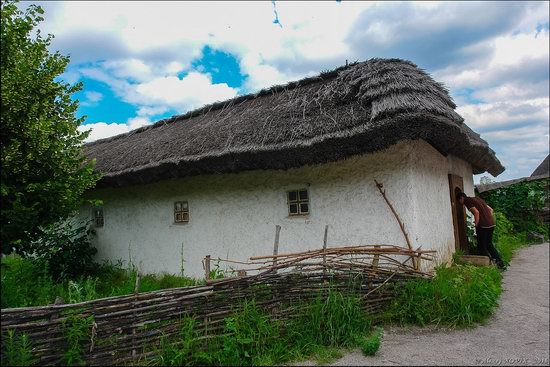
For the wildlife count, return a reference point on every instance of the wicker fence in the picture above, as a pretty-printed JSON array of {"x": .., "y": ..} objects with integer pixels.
[{"x": 124, "y": 329}]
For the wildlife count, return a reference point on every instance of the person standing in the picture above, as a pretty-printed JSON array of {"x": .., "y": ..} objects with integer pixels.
[{"x": 485, "y": 226}]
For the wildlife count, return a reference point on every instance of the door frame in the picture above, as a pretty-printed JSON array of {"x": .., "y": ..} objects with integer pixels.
[{"x": 456, "y": 184}]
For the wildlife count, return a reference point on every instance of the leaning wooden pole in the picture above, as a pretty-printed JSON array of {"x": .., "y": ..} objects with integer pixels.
[{"x": 409, "y": 245}]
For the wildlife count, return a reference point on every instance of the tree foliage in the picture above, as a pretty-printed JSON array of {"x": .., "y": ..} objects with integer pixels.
[
  {"x": 43, "y": 171},
  {"x": 521, "y": 203}
]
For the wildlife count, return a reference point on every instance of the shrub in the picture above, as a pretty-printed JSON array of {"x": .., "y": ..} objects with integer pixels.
[
  {"x": 504, "y": 227},
  {"x": 26, "y": 282},
  {"x": 65, "y": 247},
  {"x": 521, "y": 202}
]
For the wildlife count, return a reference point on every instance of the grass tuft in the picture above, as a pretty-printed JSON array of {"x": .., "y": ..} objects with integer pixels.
[{"x": 458, "y": 296}]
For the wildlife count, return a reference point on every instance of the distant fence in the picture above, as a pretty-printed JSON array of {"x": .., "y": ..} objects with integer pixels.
[{"x": 124, "y": 329}]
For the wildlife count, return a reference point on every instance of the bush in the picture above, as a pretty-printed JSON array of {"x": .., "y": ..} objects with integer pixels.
[
  {"x": 65, "y": 248},
  {"x": 504, "y": 227},
  {"x": 521, "y": 202},
  {"x": 26, "y": 282}
]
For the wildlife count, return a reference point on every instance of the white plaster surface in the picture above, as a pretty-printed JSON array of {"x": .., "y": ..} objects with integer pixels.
[
  {"x": 234, "y": 215},
  {"x": 432, "y": 227}
]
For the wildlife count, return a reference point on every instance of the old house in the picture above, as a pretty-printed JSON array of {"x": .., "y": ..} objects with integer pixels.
[{"x": 216, "y": 181}]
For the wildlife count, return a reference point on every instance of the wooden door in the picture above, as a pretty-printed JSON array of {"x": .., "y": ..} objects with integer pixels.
[{"x": 456, "y": 185}]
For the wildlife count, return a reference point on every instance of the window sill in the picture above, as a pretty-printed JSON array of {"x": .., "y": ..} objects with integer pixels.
[
  {"x": 298, "y": 216},
  {"x": 180, "y": 223}
]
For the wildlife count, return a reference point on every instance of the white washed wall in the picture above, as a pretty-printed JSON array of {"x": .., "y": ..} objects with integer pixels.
[
  {"x": 234, "y": 215},
  {"x": 433, "y": 221}
]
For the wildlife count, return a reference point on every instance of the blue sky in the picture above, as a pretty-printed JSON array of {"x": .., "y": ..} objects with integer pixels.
[{"x": 143, "y": 61}]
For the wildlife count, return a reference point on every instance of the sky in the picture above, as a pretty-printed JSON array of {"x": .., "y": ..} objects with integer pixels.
[{"x": 144, "y": 61}]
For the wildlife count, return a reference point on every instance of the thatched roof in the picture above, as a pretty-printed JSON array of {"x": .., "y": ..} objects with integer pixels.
[
  {"x": 543, "y": 168},
  {"x": 360, "y": 108},
  {"x": 499, "y": 185}
]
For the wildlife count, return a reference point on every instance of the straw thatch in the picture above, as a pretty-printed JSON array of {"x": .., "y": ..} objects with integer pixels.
[
  {"x": 543, "y": 168},
  {"x": 360, "y": 108}
]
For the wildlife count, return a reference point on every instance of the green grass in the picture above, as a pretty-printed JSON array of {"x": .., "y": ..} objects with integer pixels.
[
  {"x": 458, "y": 296},
  {"x": 251, "y": 337},
  {"x": 17, "y": 350},
  {"x": 26, "y": 282},
  {"x": 507, "y": 244}
]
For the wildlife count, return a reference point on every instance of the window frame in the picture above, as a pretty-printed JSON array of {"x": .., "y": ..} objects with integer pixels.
[
  {"x": 99, "y": 220},
  {"x": 183, "y": 212},
  {"x": 299, "y": 201}
]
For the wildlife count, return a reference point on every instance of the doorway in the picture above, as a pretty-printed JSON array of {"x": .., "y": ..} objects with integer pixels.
[{"x": 456, "y": 185}]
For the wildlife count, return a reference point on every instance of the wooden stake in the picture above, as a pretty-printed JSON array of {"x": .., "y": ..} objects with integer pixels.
[
  {"x": 325, "y": 238},
  {"x": 375, "y": 261},
  {"x": 207, "y": 267},
  {"x": 324, "y": 249},
  {"x": 276, "y": 245},
  {"x": 136, "y": 291}
]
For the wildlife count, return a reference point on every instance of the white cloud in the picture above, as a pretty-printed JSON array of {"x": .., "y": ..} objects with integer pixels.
[
  {"x": 129, "y": 68},
  {"x": 191, "y": 91},
  {"x": 492, "y": 116},
  {"x": 91, "y": 98},
  {"x": 101, "y": 130}
]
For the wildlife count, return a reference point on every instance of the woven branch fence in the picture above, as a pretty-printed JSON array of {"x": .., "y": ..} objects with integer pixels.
[{"x": 125, "y": 329}]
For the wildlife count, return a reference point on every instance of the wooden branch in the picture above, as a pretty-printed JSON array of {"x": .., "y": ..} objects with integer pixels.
[{"x": 401, "y": 225}]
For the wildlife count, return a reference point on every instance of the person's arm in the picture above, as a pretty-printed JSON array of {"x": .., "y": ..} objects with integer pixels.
[{"x": 475, "y": 212}]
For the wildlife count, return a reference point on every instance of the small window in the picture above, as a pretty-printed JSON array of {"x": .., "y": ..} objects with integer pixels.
[
  {"x": 98, "y": 217},
  {"x": 298, "y": 202},
  {"x": 181, "y": 212}
]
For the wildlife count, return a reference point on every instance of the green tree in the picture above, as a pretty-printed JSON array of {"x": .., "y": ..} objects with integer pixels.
[{"x": 44, "y": 173}]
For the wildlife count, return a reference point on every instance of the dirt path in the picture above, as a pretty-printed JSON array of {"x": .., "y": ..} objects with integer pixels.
[{"x": 516, "y": 335}]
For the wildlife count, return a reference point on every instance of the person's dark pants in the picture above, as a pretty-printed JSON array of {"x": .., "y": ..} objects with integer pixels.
[{"x": 485, "y": 245}]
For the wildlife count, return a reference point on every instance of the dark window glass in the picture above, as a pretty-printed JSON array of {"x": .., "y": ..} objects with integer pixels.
[{"x": 292, "y": 195}]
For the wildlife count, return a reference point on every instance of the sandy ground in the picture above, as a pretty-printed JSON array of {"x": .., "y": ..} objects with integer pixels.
[{"x": 516, "y": 335}]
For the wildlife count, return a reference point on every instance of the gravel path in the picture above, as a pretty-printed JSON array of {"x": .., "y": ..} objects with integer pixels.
[{"x": 516, "y": 335}]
